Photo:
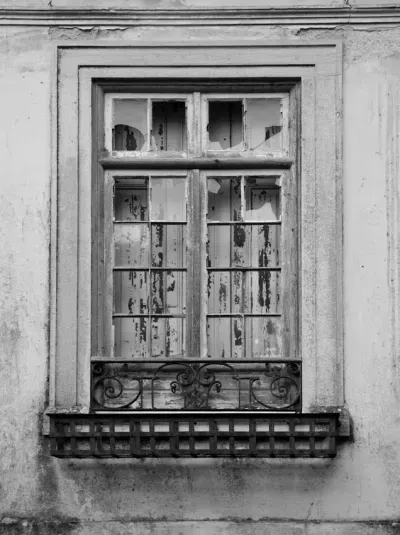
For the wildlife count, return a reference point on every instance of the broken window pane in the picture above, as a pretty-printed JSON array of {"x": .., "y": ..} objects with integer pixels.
[
  {"x": 129, "y": 125},
  {"x": 131, "y": 199},
  {"x": 131, "y": 292},
  {"x": 264, "y": 124},
  {"x": 131, "y": 338},
  {"x": 168, "y": 292},
  {"x": 168, "y": 337},
  {"x": 263, "y": 199},
  {"x": 168, "y": 245},
  {"x": 225, "y": 125},
  {"x": 168, "y": 199},
  {"x": 132, "y": 244},
  {"x": 224, "y": 199},
  {"x": 169, "y": 125}
]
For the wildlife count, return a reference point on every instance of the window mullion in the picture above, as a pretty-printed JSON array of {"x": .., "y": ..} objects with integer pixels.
[
  {"x": 197, "y": 125},
  {"x": 149, "y": 272},
  {"x": 194, "y": 237},
  {"x": 203, "y": 265},
  {"x": 149, "y": 121},
  {"x": 108, "y": 297},
  {"x": 194, "y": 265}
]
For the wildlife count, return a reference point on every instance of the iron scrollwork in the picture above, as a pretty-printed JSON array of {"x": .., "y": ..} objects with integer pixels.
[
  {"x": 108, "y": 386},
  {"x": 196, "y": 385}
]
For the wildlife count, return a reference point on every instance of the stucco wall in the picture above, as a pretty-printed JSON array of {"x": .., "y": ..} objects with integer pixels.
[{"x": 362, "y": 483}]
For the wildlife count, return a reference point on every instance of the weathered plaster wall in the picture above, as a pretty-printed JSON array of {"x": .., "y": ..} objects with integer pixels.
[
  {"x": 242, "y": 496},
  {"x": 51, "y": 5},
  {"x": 167, "y": 4}
]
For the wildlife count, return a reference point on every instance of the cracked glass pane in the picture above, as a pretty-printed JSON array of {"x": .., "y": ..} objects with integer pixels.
[
  {"x": 129, "y": 126},
  {"x": 264, "y": 124},
  {"x": 169, "y": 125},
  {"x": 225, "y": 125}
]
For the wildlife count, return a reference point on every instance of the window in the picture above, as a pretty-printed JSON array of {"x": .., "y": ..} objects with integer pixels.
[
  {"x": 224, "y": 295},
  {"x": 200, "y": 265}
]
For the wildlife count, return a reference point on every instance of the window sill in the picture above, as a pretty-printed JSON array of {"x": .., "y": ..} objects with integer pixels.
[{"x": 190, "y": 434}]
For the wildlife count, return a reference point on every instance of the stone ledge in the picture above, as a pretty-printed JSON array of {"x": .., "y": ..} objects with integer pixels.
[{"x": 9, "y": 526}]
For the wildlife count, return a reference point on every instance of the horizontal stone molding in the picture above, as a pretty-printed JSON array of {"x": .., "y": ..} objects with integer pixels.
[
  {"x": 304, "y": 16},
  {"x": 151, "y": 526}
]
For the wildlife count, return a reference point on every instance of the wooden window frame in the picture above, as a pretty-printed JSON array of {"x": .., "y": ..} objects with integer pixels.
[{"x": 82, "y": 74}]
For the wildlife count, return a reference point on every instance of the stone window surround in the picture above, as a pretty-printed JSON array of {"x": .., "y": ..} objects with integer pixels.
[{"x": 318, "y": 67}]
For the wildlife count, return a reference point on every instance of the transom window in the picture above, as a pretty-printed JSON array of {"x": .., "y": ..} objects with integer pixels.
[{"x": 142, "y": 124}]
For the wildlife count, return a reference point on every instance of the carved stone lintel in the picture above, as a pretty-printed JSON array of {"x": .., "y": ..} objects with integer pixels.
[{"x": 313, "y": 16}]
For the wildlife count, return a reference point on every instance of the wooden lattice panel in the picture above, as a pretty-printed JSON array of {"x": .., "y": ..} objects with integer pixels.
[{"x": 193, "y": 435}]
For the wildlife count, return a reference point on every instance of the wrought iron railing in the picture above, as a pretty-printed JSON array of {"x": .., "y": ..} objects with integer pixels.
[
  {"x": 196, "y": 385},
  {"x": 162, "y": 409}
]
